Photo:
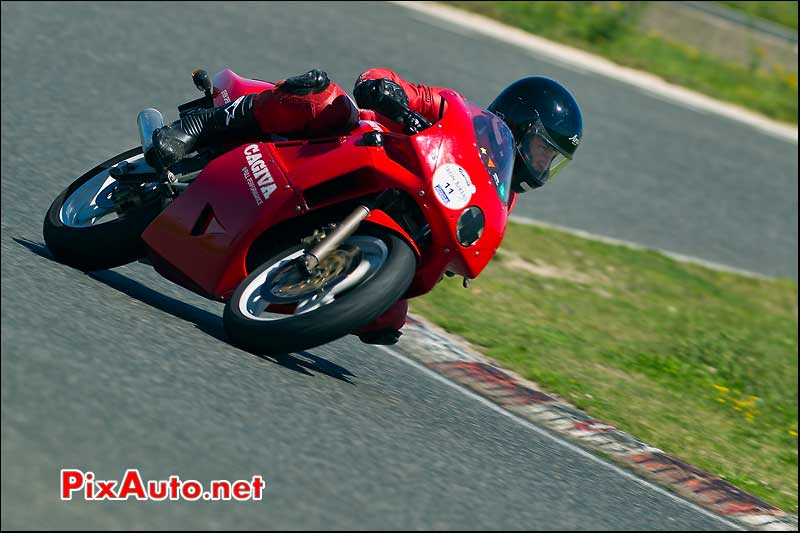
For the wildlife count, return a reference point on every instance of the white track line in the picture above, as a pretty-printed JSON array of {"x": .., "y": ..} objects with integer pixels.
[
  {"x": 628, "y": 244},
  {"x": 556, "y": 438},
  {"x": 574, "y": 58}
]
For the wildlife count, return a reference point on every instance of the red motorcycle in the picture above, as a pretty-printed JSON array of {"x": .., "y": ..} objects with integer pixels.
[{"x": 305, "y": 240}]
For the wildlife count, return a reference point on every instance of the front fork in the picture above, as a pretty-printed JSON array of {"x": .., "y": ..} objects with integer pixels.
[
  {"x": 313, "y": 257},
  {"x": 324, "y": 243},
  {"x": 138, "y": 184}
]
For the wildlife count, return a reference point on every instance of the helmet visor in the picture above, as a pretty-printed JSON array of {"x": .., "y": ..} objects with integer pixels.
[{"x": 540, "y": 154}]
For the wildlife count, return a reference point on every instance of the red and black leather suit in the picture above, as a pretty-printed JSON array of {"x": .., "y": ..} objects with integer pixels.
[{"x": 332, "y": 110}]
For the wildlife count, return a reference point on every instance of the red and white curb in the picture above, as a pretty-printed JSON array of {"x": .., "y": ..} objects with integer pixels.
[{"x": 456, "y": 361}]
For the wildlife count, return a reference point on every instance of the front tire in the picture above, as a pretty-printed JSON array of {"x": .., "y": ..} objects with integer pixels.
[
  {"x": 325, "y": 315},
  {"x": 84, "y": 233}
]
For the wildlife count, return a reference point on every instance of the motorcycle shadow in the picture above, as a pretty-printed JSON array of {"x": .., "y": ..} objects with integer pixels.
[{"x": 205, "y": 321}]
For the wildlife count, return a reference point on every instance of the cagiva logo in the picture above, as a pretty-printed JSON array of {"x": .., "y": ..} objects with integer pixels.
[
  {"x": 260, "y": 171},
  {"x": 575, "y": 140}
]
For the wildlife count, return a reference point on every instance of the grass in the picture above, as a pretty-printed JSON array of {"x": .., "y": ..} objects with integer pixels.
[
  {"x": 783, "y": 13},
  {"x": 699, "y": 363},
  {"x": 610, "y": 29}
]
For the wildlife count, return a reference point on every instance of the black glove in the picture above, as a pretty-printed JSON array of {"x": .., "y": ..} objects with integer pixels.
[
  {"x": 313, "y": 81},
  {"x": 382, "y": 95},
  {"x": 414, "y": 122},
  {"x": 195, "y": 130},
  {"x": 389, "y": 99}
]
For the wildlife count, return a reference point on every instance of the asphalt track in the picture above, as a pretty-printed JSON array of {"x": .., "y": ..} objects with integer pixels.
[{"x": 121, "y": 369}]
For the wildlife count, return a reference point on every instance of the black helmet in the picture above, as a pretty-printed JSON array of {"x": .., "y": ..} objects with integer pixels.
[{"x": 547, "y": 126}]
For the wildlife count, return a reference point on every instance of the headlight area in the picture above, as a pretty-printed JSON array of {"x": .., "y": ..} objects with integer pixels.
[{"x": 469, "y": 227}]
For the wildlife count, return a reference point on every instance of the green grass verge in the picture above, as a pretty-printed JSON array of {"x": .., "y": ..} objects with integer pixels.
[
  {"x": 609, "y": 29},
  {"x": 699, "y": 363},
  {"x": 783, "y": 13}
]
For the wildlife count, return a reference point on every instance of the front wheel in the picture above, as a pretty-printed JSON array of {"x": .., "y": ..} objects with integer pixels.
[{"x": 355, "y": 284}]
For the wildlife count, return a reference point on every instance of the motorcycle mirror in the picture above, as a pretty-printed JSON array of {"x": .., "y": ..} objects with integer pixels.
[{"x": 202, "y": 81}]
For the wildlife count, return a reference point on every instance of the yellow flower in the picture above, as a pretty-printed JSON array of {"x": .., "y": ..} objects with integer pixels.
[
  {"x": 793, "y": 433},
  {"x": 721, "y": 400},
  {"x": 723, "y": 390}
]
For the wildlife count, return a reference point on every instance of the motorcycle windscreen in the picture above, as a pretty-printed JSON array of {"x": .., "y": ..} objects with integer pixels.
[{"x": 495, "y": 144}]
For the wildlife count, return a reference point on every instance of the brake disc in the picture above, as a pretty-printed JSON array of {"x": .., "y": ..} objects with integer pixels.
[{"x": 292, "y": 283}]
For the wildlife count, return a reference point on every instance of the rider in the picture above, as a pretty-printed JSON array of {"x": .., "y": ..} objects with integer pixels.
[{"x": 543, "y": 116}]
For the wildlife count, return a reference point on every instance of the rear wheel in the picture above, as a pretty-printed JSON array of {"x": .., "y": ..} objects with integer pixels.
[
  {"x": 355, "y": 284},
  {"x": 83, "y": 227}
]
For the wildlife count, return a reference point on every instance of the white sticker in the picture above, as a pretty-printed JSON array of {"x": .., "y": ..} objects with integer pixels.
[{"x": 452, "y": 186}]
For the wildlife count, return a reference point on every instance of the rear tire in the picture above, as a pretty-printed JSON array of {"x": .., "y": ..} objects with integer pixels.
[
  {"x": 352, "y": 309},
  {"x": 107, "y": 244}
]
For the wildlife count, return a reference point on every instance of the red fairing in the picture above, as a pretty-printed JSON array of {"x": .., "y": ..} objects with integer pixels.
[
  {"x": 207, "y": 231},
  {"x": 441, "y": 146},
  {"x": 377, "y": 216},
  {"x": 202, "y": 240}
]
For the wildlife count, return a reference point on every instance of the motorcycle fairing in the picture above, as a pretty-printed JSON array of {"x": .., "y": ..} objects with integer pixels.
[{"x": 202, "y": 239}]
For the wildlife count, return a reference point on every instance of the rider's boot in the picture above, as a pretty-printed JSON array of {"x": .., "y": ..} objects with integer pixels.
[
  {"x": 195, "y": 130},
  {"x": 385, "y": 337}
]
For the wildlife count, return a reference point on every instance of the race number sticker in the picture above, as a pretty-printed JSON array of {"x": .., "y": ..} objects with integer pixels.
[{"x": 452, "y": 186}]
